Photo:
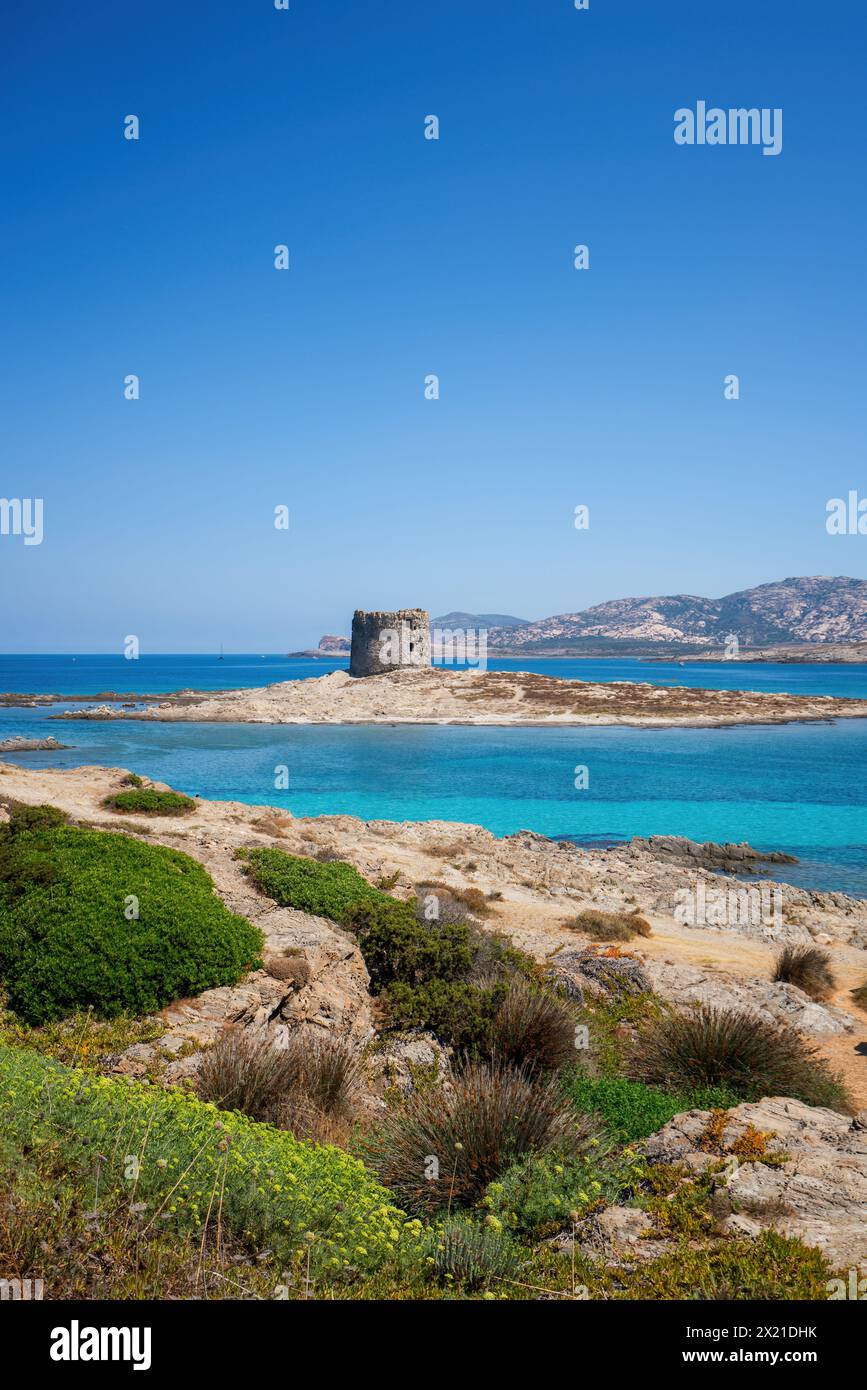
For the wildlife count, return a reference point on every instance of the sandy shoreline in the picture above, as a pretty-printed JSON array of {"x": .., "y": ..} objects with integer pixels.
[{"x": 478, "y": 698}]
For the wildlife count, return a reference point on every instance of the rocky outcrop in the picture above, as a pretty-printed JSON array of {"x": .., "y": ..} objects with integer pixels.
[
  {"x": 588, "y": 971},
  {"x": 407, "y": 1062},
  {"x": 727, "y": 858},
  {"x": 19, "y": 744},
  {"x": 819, "y": 1191},
  {"x": 683, "y": 984}
]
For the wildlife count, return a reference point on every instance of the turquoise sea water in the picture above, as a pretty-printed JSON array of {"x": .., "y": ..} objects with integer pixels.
[
  {"x": 90, "y": 675},
  {"x": 796, "y": 787}
]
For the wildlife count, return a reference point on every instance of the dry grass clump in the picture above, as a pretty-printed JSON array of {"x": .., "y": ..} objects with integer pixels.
[
  {"x": 744, "y": 1053},
  {"x": 291, "y": 965},
  {"x": 534, "y": 1029},
  {"x": 309, "y": 1087},
  {"x": 608, "y": 926},
  {"x": 275, "y": 823},
  {"x": 455, "y": 904},
  {"x": 809, "y": 968},
  {"x": 860, "y": 995},
  {"x": 440, "y": 1149}
]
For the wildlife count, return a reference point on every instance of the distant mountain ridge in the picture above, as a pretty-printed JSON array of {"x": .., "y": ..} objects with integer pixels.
[
  {"x": 477, "y": 620},
  {"x": 813, "y": 609}
]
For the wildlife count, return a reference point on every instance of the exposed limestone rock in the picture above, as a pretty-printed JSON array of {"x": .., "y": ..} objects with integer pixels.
[
  {"x": 407, "y": 1061},
  {"x": 818, "y": 1194},
  {"x": 578, "y": 971},
  {"x": 618, "y": 1235},
  {"x": 689, "y": 984}
]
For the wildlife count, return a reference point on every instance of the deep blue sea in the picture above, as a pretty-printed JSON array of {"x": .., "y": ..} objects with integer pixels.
[{"x": 797, "y": 787}]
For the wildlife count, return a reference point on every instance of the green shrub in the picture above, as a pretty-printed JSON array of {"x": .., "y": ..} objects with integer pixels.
[
  {"x": 397, "y": 946},
  {"x": 809, "y": 968},
  {"x": 461, "y": 1014},
  {"x": 608, "y": 926},
  {"x": 325, "y": 890},
  {"x": 66, "y": 943},
  {"x": 151, "y": 803},
  {"x": 742, "y": 1052},
  {"x": 198, "y": 1166},
  {"x": 540, "y": 1194},
  {"x": 441, "y": 1148},
  {"x": 632, "y": 1110},
  {"x": 472, "y": 1255},
  {"x": 23, "y": 817}
]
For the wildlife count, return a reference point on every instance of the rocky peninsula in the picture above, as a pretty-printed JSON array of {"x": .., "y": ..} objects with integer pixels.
[{"x": 436, "y": 695}]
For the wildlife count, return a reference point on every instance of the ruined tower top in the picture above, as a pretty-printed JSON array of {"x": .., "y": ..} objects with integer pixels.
[{"x": 386, "y": 641}]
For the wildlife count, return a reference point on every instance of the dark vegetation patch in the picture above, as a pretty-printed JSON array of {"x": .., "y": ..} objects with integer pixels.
[
  {"x": 150, "y": 803},
  {"x": 441, "y": 1149}
]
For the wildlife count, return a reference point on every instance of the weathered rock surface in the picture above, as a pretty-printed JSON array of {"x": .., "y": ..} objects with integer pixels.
[
  {"x": 578, "y": 972},
  {"x": 689, "y": 984},
  {"x": 818, "y": 1194},
  {"x": 19, "y": 744},
  {"x": 727, "y": 858},
  {"x": 406, "y": 1061}
]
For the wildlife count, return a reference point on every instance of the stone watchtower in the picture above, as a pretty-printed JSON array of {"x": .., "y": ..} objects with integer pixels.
[{"x": 386, "y": 641}]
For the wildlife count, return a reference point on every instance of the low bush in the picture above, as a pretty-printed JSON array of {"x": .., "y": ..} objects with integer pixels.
[
  {"x": 860, "y": 995},
  {"x": 150, "y": 802},
  {"x": 93, "y": 919},
  {"x": 23, "y": 817},
  {"x": 197, "y": 1166},
  {"x": 472, "y": 1255},
  {"x": 809, "y": 968},
  {"x": 608, "y": 926},
  {"x": 770, "y": 1268},
  {"x": 441, "y": 1149},
  {"x": 540, "y": 1194},
  {"x": 325, "y": 889},
  {"x": 81, "y": 1039},
  {"x": 454, "y": 904},
  {"x": 245, "y": 1071},
  {"x": 459, "y": 1013},
  {"x": 397, "y": 946},
  {"x": 741, "y": 1052}
]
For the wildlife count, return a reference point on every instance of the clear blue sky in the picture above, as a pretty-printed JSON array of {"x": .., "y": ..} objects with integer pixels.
[{"x": 411, "y": 257}]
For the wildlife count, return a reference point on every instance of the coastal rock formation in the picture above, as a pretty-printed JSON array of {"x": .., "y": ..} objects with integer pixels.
[
  {"x": 818, "y": 1194},
  {"x": 415, "y": 693},
  {"x": 19, "y": 744},
  {"x": 383, "y": 642},
  {"x": 815, "y": 1188},
  {"x": 683, "y": 984},
  {"x": 727, "y": 858},
  {"x": 532, "y": 887}
]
